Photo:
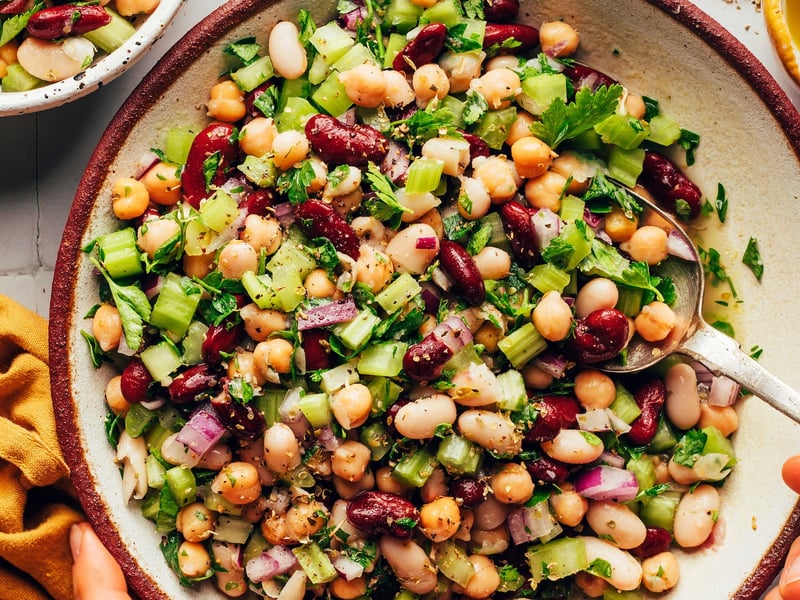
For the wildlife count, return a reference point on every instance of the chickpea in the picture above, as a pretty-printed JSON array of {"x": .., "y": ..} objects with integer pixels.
[
  {"x": 499, "y": 87},
  {"x": 532, "y": 157},
  {"x": 289, "y": 148},
  {"x": 520, "y": 128},
  {"x": 236, "y": 258},
  {"x": 591, "y": 585},
  {"x": 348, "y": 590},
  {"x": 114, "y": 398},
  {"x": 462, "y": 69},
  {"x": 493, "y": 263},
  {"x": 242, "y": 365},
  {"x": 198, "y": 266},
  {"x": 386, "y": 482},
  {"x": 575, "y": 170},
  {"x": 433, "y": 219},
  {"x": 440, "y": 519},
  {"x": 634, "y": 105},
  {"x": 193, "y": 559},
  {"x": 320, "y": 175},
  {"x": 275, "y": 354},
  {"x": 484, "y": 582},
  {"x": 558, "y": 38},
  {"x": 474, "y": 200},
  {"x": 498, "y": 175},
  {"x": 374, "y": 268},
  {"x": 196, "y": 522},
  {"x": 226, "y": 102},
  {"x": 512, "y": 484},
  {"x": 364, "y": 85},
  {"x": 552, "y": 317},
  {"x": 723, "y": 418},
  {"x": 568, "y": 506},
  {"x": 319, "y": 285},
  {"x": 536, "y": 378},
  {"x": 155, "y": 233},
  {"x": 129, "y": 198},
  {"x": 350, "y": 460},
  {"x": 429, "y": 82},
  {"x": 348, "y": 490},
  {"x": 256, "y": 136},
  {"x": 274, "y": 529},
  {"x": 488, "y": 335},
  {"x": 347, "y": 203},
  {"x": 238, "y": 483},
  {"x": 281, "y": 449},
  {"x": 655, "y": 321},
  {"x": 304, "y": 519},
  {"x": 594, "y": 389},
  {"x": 262, "y": 233},
  {"x": 8, "y": 52},
  {"x": 660, "y": 572},
  {"x": 129, "y": 8},
  {"x": 260, "y": 323},
  {"x": 107, "y": 327},
  {"x": 351, "y": 405},
  {"x": 619, "y": 226},
  {"x": 163, "y": 183},
  {"x": 424, "y": 3},
  {"x": 398, "y": 90},
  {"x": 647, "y": 244},
  {"x": 546, "y": 190}
]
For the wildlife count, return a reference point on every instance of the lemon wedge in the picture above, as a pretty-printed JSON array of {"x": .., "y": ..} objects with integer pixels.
[{"x": 783, "y": 24}]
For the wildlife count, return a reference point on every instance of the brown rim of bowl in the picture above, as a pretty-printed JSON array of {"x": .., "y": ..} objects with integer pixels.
[{"x": 171, "y": 65}]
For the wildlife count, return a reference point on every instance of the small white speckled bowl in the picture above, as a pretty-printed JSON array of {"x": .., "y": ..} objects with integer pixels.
[
  {"x": 665, "y": 49},
  {"x": 105, "y": 69}
]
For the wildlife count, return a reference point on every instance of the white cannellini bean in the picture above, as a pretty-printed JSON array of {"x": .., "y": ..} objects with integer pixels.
[
  {"x": 574, "y": 447},
  {"x": 617, "y": 523},
  {"x": 696, "y": 515},
  {"x": 132, "y": 454},
  {"x": 419, "y": 419},
  {"x": 493, "y": 263},
  {"x": 287, "y": 53},
  {"x": 596, "y": 294},
  {"x": 47, "y": 60},
  {"x": 476, "y": 385},
  {"x": 490, "y": 430},
  {"x": 230, "y": 580},
  {"x": 295, "y": 587},
  {"x": 491, "y": 513},
  {"x": 398, "y": 91},
  {"x": 626, "y": 572},
  {"x": 403, "y": 251},
  {"x": 454, "y": 153},
  {"x": 461, "y": 69},
  {"x": 410, "y": 564},
  {"x": 683, "y": 402},
  {"x": 349, "y": 184},
  {"x": 418, "y": 204}
]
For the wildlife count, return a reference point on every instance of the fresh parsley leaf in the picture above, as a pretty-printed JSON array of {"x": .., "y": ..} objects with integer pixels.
[
  {"x": 752, "y": 258},
  {"x": 606, "y": 261},
  {"x": 474, "y": 107},
  {"x": 563, "y": 121},
  {"x": 457, "y": 42},
  {"x": 479, "y": 239},
  {"x": 651, "y": 108},
  {"x": 338, "y": 175},
  {"x": 689, "y": 141},
  {"x": 267, "y": 101},
  {"x": 132, "y": 304},
  {"x": 600, "y": 567},
  {"x": 95, "y": 351},
  {"x": 724, "y": 327},
  {"x": 602, "y": 187},
  {"x": 473, "y": 9},
  {"x": 721, "y": 203},
  {"x": 218, "y": 308},
  {"x": 113, "y": 427},
  {"x": 712, "y": 266},
  {"x": 457, "y": 227},
  {"x": 507, "y": 44},
  {"x": 558, "y": 252},
  {"x": 210, "y": 166},
  {"x": 307, "y": 26},
  {"x": 423, "y": 125},
  {"x": 406, "y": 522},
  {"x": 294, "y": 182},
  {"x": 240, "y": 390},
  {"x": 384, "y": 206},
  {"x": 244, "y": 50},
  {"x": 690, "y": 447},
  {"x": 324, "y": 252},
  {"x": 13, "y": 26}
]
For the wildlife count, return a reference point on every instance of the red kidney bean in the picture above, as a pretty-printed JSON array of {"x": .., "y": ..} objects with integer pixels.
[
  {"x": 244, "y": 421},
  {"x": 13, "y": 7},
  {"x": 336, "y": 142},
  {"x": 69, "y": 19},
  {"x": 391, "y": 414},
  {"x": 425, "y": 360},
  {"x": 649, "y": 398},
  {"x": 519, "y": 229},
  {"x": 136, "y": 381},
  {"x": 316, "y": 218},
  {"x": 600, "y": 335},
  {"x": 670, "y": 186},
  {"x": 214, "y": 143},
  {"x": 477, "y": 145},
  {"x": 193, "y": 384},
  {"x": 656, "y": 541},
  {"x": 220, "y": 339},
  {"x": 547, "y": 470},
  {"x": 258, "y": 202},
  {"x": 469, "y": 491},
  {"x": 554, "y": 413},
  {"x": 498, "y": 33},
  {"x": 379, "y": 512},
  {"x": 422, "y": 50},
  {"x": 317, "y": 349},
  {"x": 463, "y": 271},
  {"x": 500, "y": 11},
  {"x": 583, "y": 76}
]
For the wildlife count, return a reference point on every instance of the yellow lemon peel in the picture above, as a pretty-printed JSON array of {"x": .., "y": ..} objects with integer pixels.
[{"x": 781, "y": 38}]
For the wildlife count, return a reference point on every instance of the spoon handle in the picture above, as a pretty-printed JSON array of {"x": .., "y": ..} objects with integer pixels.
[{"x": 722, "y": 355}]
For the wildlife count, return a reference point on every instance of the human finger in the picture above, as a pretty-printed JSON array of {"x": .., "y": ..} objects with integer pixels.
[{"x": 95, "y": 573}]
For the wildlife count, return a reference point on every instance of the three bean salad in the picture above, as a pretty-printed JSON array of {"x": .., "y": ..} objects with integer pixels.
[{"x": 358, "y": 316}]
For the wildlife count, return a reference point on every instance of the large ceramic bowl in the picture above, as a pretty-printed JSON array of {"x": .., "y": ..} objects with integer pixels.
[
  {"x": 103, "y": 70},
  {"x": 666, "y": 49}
]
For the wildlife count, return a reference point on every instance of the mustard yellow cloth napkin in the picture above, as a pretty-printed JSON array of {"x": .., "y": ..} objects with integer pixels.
[{"x": 37, "y": 503}]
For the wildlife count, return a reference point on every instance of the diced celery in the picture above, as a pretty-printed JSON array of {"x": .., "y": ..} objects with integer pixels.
[
  {"x": 315, "y": 563},
  {"x": 475, "y": 30},
  {"x": 402, "y": 15},
  {"x": 406, "y": 595},
  {"x": 547, "y": 277},
  {"x": 580, "y": 238},
  {"x": 556, "y": 559},
  {"x": 645, "y": 471},
  {"x": 624, "y": 405},
  {"x": 398, "y": 293},
  {"x": 182, "y": 484},
  {"x": 385, "y": 392},
  {"x": 177, "y": 144},
  {"x": 331, "y": 97},
  {"x": 170, "y": 418},
  {"x": 539, "y": 91},
  {"x": 197, "y": 236},
  {"x": 522, "y": 344},
  {"x": 498, "y": 237},
  {"x": 375, "y": 437},
  {"x": 17, "y": 79},
  {"x": 495, "y": 126},
  {"x": 232, "y": 530},
  {"x": 630, "y": 300},
  {"x": 396, "y": 42},
  {"x": 316, "y": 409},
  {"x": 588, "y": 141},
  {"x": 625, "y": 165},
  {"x": 193, "y": 343},
  {"x": 454, "y": 563},
  {"x": 444, "y": 11},
  {"x": 424, "y": 175},
  {"x": 167, "y": 511},
  {"x": 659, "y": 511},
  {"x": 716, "y": 443},
  {"x": 294, "y": 88},
  {"x": 119, "y": 254},
  {"x": 111, "y": 36},
  {"x": 176, "y": 304},
  {"x": 623, "y": 131},
  {"x": 462, "y": 359},
  {"x": 294, "y": 115},
  {"x": 161, "y": 360},
  {"x": 357, "y": 55},
  {"x": 254, "y": 547},
  {"x": 268, "y": 403},
  {"x": 259, "y": 288},
  {"x": 259, "y": 170},
  {"x": 354, "y": 334},
  {"x": 374, "y": 117},
  {"x": 571, "y": 209},
  {"x": 610, "y": 593},
  {"x": 139, "y": 420},
  {"x": 338, "y": 377},
  {"x": 663, "y": 131},
  {"x": 157, "y": 435},
  {"x": 459, "y": 456},
  {"x": 253, "y": 75},
  {"x": 214, "y": 501},
  {"x": 319, "y": 70},
  {"x": 331, "y": 42},
  {"x": 288, "y": 287},
  {"x": 150, "y": 504},
  {"x": 514, "y": 395},
  {"x": 291, "y": 254},
  {"x": 219, "y": 210},
  {"x": 664, "y": 439},
  {"x": 384, "y": 359},
  {"x": 414, "y": 468}
]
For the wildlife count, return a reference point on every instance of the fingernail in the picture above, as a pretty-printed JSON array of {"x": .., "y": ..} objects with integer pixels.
[{"x": 75, "y": 540}]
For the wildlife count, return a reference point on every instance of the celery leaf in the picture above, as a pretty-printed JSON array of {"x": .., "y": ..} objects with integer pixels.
[{"x": 133, "y": 306}]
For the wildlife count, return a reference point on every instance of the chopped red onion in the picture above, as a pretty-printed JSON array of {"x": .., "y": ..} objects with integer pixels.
[
  {"x": 154, "y": 404},
  {"x": 284, "y": 212},
  {"x": 552, "y": 363},
  {"x": 618, "y": 425},
  {"x": 593, "y": 220},
  {"x": 291, "y": 415},
  {"x": 530, "y": 523},
  {"x": 546, "y": 226},
  {"x": 612, "y": 459},
  {"x": 152, "y": 284},
  {"x": 279, "y": 499},
  {"x": 427, "y": 243},
  {"x": 453, "y": 333},
  {"x": 431, "y": 297},
  {"x": 396, "y": 162},
  {"x": 201, "y": 432},
  {"x": 351, "y": 19},
  {"x": 607, "y": 483},
  {"x": 724, "y": 391},
  {"x": 144, "y": 163},
  {"x": 678, "y": 245},
  {"x": 440, "y": 278},
  {"x": 348, "y": 117},
  {"x": 347, "y": 567},
  {"x": 328, "y": 439},
  {"x": 595, "y": 419},
  {"x": 275, "y": 561},
  {"x": 338, "y": 311}
]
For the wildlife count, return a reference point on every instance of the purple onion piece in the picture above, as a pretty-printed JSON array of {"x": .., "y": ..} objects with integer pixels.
[{"x": 338, "y": 311}]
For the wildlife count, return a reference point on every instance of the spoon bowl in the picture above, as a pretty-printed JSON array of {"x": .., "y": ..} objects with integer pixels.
[{"x": 692, "y": 336}]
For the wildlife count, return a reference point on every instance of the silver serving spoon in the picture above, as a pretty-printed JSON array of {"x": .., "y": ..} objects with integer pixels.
[{"x": 695, "y": 338}]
